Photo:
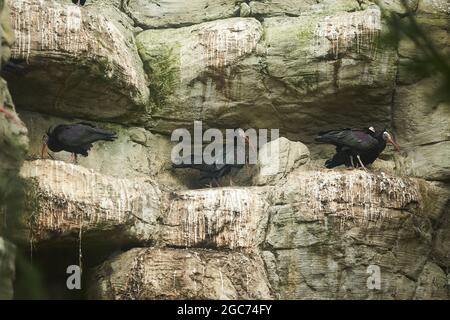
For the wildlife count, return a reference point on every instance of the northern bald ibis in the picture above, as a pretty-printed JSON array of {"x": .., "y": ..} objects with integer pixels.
[
  {"x": 79, "y": 2},
  {"x": 75, "y": 138},
  {"x": 356, "y": 147},
  {"x": 220, "y": 166},
  {"x": 213, "y": 171},
  {"x": 14, "y": 66}
]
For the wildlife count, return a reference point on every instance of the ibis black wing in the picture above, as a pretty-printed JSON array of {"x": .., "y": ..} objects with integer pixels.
[
  {"x": 82, "y": 2},
  {"x": 198, "y": 162},
  {"x": 358, "y": 139},
  {"x": 190, "y": 161},
  {"x": 82, "y": 134}
]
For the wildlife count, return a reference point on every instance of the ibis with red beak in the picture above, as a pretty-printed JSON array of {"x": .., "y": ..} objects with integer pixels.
[
  {"x": 79, "y": 2},
  {"x": 74, "y": 138},
  {"x": 356, "y": 147},
  {"x": 222, "y": 162}
]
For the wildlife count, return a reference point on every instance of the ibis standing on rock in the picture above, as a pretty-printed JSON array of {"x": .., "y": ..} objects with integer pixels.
[
  {"x": 75, "y": 138},
  {"x": 79, "y": 2},
  {"x": 356, "y": 147},
  {"x": 221, "y": 166},
  {"x": 212, "y": 171}
]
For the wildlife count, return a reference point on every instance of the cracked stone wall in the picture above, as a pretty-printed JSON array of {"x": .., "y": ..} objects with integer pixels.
[
  {"x": 326, "y": 229},
  {"x": 88, "y": 57},
  {"x": 160, "y": 66},
  {"x": 143, "y": 68},
  {"x": 313, "y": 235},
  {"x": 13, "y": 147}
]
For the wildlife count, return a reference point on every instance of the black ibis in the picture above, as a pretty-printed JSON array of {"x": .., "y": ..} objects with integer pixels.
[
  {"x": 221, "y": 165},
  {"x": 79, "y": 2},
  {"x": 14, "y": 66},
  {"x": 75, "y": 138},
  {"x": 356, "y": 147},
  {"x": 213, "y": 171}
]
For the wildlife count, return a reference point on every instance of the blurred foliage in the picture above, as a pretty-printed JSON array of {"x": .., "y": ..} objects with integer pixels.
[{"x": 429, "y": 60}]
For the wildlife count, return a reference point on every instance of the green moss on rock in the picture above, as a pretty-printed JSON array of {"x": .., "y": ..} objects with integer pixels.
[{"x": 161, "y": 69}]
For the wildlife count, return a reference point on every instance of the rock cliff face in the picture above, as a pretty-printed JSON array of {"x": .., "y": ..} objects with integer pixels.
[
  {"x": 68, "y": 197},
  {"x": 423, "y": 123},
  {"x": 13, "y": 147},
  {"x": 143, "y": 230},
  {"x": 314, "y": 235},
  {"x": 7, "y": 269},
  {"x": 88, "y": 58}
]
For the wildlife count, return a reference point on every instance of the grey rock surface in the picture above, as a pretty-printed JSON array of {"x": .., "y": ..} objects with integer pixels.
[
  {"x": 147, "y": 273},
  {"x": 277, "y": 159},
  {"x": 7, "y": 269},
  {"x": 143, "y": 68},
  {"x": 68, "y": 202},
  {"x": 317, "y": 232},
  {"x": 178, "y": 13},
  {"x": 77, "y": 58},
  {"x": 13, "y": 148}
]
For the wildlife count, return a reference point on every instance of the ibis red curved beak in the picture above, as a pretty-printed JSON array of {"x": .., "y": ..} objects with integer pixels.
[
  {"x": 44, "y": 145},
  {"x": 246, "y": 139},
  {"x": 392, "y": 141},
  {"x": 43, "y": 148}
]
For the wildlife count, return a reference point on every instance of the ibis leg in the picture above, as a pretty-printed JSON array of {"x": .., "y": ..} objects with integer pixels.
[
  {"x": 360, "y": 162},
  {"x": 247, "y": 168},
  {"x": 351, "y": 161}
]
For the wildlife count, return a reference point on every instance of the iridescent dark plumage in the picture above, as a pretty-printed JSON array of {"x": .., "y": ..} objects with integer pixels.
[
  {"x": 79, "y": 2},
  {"x": 14, "y": 67},
  {"x": 75, "y": 138},
  {"x": 230, "y": 155},
  {"x": 216, "y": 170},
  {"x": 355, "y": 147}
]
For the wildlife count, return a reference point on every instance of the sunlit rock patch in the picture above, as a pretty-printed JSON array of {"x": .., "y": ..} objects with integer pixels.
[
  {"x": 312, "y": 235},
  {"x": 66, "y": 201},
  {"x": 264, "y": 8},
  {"x": 349, "y": 194},
  {"x": 148, "y": 273},
  {"x": 436, "y": 7},
  {"x": 298, "y": 68},
  {"x": 327, "y": 227},
  {"x": 178, "y": 13},
  {"x": 223, "y": 44},
  {"x": 315, "y": 206},
  {"x": 277, "y": 159},
  {"x": 76, "y": 57},
  {"x": 196, "y": 49},
  {"x": 192, "y": 70},
  {"x": 359, "y": 30},
  {"x": 213, "y": 218}
]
